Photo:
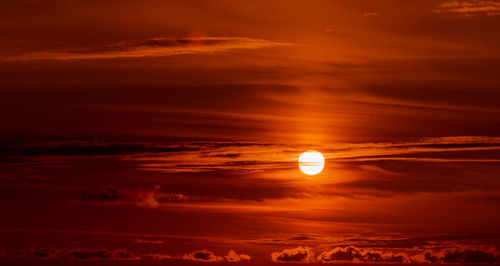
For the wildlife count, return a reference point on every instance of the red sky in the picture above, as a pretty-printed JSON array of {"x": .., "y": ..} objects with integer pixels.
[{"x": 168, "y": 132}]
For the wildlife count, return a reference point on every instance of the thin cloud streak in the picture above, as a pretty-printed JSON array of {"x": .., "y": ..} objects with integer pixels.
[
  {"x": 470, "y": 8},
  {"x": 155, "y": 47}
]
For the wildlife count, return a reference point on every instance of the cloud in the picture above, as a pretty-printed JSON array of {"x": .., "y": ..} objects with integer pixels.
[
  {"x": 368, "y": 14},
  {"x": 470, "y": 8},
  {"x": 224, "y": 155},
  {"x": 150, "y": 48},
  {"x": 90, "y": 148},
  {"x": 147, "y": 241},
  {"x": 158, "y": 256},
  {"x": 208, "y": 256},
  {"x": 232, "y": 256},
  {"x": 464, "y": 255},
  {"x": 79, "y": 254},
  {"x": 123, "y": 254},
  {"x": 299, "y": 254},
  {"x": 44, "y": 253},
  {"x": 302, "y": 237},
  {"x": 101, "y": 254},
  {"x": 140, "y": 197},
  {"x": 106, "y": 195},
  {"x": 202, "y": 255},
  {"x": 353, "y": 254}
]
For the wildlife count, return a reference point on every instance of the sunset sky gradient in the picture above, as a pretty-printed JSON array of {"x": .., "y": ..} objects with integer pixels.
[{"x": 168, "y": 132}]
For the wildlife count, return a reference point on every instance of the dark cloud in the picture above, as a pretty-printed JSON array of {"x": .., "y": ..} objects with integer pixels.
[
  {"x": 140, "y": 197},
  {"x": 208, "y": 256},
  {"x": 202, "y": 255},
  {"x": 353, "y": 254},
  {"x": 224, "y": 155},
  {"x": 91, "y": 148},
  {"x": 86, "y": 254},
  {"x": 106, "y": 195},
  {"x": 299, "y": 254},
  {"x": 44, "y": 253},
  {"x": 302, "y": 237},
  {"x": 78, "y": 254},
  {"x": 416, "y": 242},
  {"x": 464, "y": 255}
]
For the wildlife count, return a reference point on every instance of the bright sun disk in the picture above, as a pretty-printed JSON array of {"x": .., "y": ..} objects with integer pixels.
[{"x": 311, "y": 162}]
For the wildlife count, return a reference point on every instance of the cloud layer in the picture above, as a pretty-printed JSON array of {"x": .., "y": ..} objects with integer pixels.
[
  {"x": 123, "y": 254},
  {"x": 78, "y": 254},
  {"x": 352, "y": 254}
]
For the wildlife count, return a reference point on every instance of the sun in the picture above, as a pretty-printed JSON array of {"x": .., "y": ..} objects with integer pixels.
[{"x": 311, "y": 162}]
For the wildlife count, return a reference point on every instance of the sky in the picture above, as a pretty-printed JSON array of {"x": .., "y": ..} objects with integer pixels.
[{"x": 168, "y": 132}]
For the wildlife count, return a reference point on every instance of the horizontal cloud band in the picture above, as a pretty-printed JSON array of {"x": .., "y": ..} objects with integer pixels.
[
  {"x": 353, "y": 254},
  {"x": 149, "y": 48}
]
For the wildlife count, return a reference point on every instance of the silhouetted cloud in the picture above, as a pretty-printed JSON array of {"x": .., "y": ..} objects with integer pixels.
[
  {"x": 90, "y": 148},
  {"x": 79, "y": 254},
  {"x": 101, "y": 254},
  {"x": 302, "y": 237},
  {"x": 106, "y": 195},
  {"x": 202, "y": 255},
  {"x": 464, "y": 255},
  {"x": 352, "y": 254},
  {"x": 469, "y": 8},
  {"x": 139, "y": 197},
  {"x": 44, "y": 253},
  {"x": 299, "y": 254},
  {"x": 150, "y": 48},
  {"x": 123, "y": 254},
  {"x": 224, "y": 155},
  {"x": 208, "y": 256},
  {"x": 232, "y": 256}
]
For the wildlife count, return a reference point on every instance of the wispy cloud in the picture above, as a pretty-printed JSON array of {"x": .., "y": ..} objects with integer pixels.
[
  {"x": 148, "y": 241},
  {"x": 444, "y": 149},
  {"x": 470, "y": 8},
  {"x": 155, "y": 47}
]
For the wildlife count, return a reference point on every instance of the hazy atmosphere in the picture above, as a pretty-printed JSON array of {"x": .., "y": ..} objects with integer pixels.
[{"x": 169, "y": 132}]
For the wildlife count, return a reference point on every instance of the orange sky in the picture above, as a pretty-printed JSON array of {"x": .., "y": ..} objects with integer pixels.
[{"x": 157, "y": 132}]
